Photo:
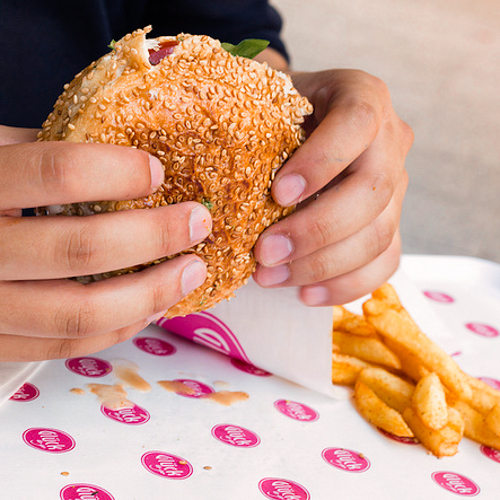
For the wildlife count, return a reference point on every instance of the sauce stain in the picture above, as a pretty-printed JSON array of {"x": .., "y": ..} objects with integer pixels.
[
  {"x": 178, "y": 387},
  {"x": 127, "y": 373},
  {"x": 113, "y": 397},
  {"x": 225, "y": 398}
]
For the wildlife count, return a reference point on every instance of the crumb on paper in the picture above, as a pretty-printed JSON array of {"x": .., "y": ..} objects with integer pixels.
[
  {"x": 207, "y": 467},
  {"x": 64, "y": 473},
  {"x": 77, "y": 390}
]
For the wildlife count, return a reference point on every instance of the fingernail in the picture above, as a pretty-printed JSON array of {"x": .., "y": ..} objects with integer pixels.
[
  {"x": 200, "y": 224},
  {"x": 156, "y": 172},
  {"x": 156, "y": 317},
  {"x": 270, "y": 276},
  {"x": 289, "y": 189},
  {"x": 274, "y": 249},
  {"x": 315, "y": 296},
  {"x": 193, "y": 276}
]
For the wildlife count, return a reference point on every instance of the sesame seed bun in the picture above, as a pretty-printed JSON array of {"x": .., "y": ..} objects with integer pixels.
[{"x": 222, "y": 125}]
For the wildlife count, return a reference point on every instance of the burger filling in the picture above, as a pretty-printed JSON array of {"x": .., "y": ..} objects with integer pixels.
[{"x": 163, "y": 50}]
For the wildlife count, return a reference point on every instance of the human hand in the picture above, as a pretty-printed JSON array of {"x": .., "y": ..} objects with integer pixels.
[
  {"x": 43, "y": 315},
  {"x": 349, "y": 179}
]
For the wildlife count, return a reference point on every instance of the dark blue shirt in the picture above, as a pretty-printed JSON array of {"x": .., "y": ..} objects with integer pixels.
[{"x": 44, "y": 43}]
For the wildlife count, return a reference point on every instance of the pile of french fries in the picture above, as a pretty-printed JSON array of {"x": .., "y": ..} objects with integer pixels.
[{"x": 405, "y": 384}]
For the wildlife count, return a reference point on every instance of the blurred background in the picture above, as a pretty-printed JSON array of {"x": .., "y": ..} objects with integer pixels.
[{"x": 441, "y": 62}]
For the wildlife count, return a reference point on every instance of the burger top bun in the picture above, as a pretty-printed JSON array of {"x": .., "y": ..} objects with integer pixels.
[{"x": 222, "y": 125}]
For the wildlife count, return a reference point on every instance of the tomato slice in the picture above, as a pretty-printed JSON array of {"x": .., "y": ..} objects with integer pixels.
[{"x": 165, "y": 49}]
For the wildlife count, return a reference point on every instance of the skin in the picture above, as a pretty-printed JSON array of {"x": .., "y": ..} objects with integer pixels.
[
  {"x": 336, "y": 247},
  {"x": 43, "y": 315},
  {"x": 349, "y": 180}
]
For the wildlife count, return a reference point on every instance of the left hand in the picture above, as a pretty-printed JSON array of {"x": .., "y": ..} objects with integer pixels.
[{"x": 349, "y": 181}]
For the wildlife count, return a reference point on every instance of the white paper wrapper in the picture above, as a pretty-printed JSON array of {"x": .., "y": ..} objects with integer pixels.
[
  {"x": 284, "y": 442},
  {"x": 13, "y": 376},
  {"x": 273, "y": 330}
]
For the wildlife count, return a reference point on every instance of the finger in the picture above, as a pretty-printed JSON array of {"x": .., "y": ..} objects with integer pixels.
[
  {"x": 45, "y": 173},
  {"x": 21, "y": 348},
  {"x": 358, "y": 197},
  {"x": 338, "y": 213},
  {"x": 14, "y": 135},
  {"x": 69, "y": 310},
  {"x": 58, "y": 247},
  {"x": 347, "y": 130},
  {"x": 339, "y": 258},
  {"x": 353, "y": 285}
]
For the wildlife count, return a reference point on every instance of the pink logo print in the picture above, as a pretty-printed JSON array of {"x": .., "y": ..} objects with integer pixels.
[
  {"x": 441, "y": 297},
  {"x": 491, "y": 382},
  {"x": 89, "y": 367},
  {"x": 297, "y": 411},
  {"x": 194, "y": 388},
  {"x": 166, "y": 465},
  {"x": 248, "y": 368},
  {"x": 491, "y": 453},
  {"x": 348, "y": 460},
  {"x": 456, "y": 483},
  {"x": 82, "y": 491},
  {"x": 154, "y": 346},
  {"x": 235, "y": 436},
  {"x": 27, "y": 392},
  {"x": 204, "y": 328},
  {"x": 51, "y": 440},
  {"x": 134, "y": 415},
  {"x": 283, "y": 489},
  {"x": 483, "y": 329}
]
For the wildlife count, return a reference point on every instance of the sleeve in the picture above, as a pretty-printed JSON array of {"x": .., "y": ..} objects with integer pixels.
[{"x": 228, "y": 20}]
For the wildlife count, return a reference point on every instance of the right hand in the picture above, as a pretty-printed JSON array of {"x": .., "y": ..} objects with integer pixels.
[{"x": 42, "y": 314}]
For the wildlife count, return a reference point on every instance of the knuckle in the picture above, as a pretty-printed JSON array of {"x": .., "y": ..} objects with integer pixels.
[
  {"x": 319, "y": 269},
  {"x": 383, "y": 186},
  {"x": 77, "y": 322},
  {"x": 83, "y": 250},
  {"x": 365, "y": 113},
  {"x": 158, "y": 300},
  {"x": 60, "y": 349},
  {"x": 54, "y": 165},
  {"x": 407, "y": 135},
  {"x": 322, "y": 231},
  {"x": 384, "y": 229},
  {"x": 162, "y": 237}
]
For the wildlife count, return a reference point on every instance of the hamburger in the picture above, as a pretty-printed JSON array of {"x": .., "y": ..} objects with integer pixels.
[{"x": 221, "y": 124}]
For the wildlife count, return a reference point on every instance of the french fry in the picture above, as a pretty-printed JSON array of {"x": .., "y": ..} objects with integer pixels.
[
  {"x": 345, "y": 369},
  {"x": 370, "y": 349},
  {"x": 475, "y": 426},
  {"x": 391, "y": 389},
  {"x": 412, "y": 366},
  {"x": 398, "y": 326},
  {"x": 346, "y": 321},
  {"x": 445, "y": 405},
  {"x": 492, "y": 419},
  {"x": 429, "y": 402},
  {"x": 387, "y": 294},
  {"x": 375, "y": 411},
  {"x": 484, "y": 397},
  {"x": 441, "y": 443}
]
